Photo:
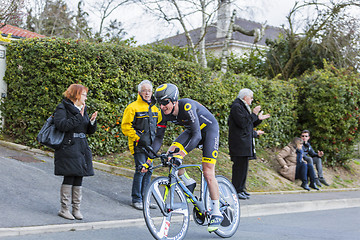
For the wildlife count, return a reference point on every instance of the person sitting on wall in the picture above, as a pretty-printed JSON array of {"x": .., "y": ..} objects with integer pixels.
[{"x": 293, "y": 166}]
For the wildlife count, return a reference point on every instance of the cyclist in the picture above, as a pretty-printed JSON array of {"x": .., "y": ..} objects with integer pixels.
[{"x": 201, "y": 129}]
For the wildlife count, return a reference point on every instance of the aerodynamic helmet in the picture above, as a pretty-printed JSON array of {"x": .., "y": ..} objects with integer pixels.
[{"x": 166, "y": 91}]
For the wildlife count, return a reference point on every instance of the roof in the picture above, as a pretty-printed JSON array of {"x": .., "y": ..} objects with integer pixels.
[
  {"x": 19, "y": 32},
  {"x": 271, "y": 32}
]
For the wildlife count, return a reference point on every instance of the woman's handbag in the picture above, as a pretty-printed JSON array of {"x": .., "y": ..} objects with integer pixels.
[{"x": 49, "y": 135}]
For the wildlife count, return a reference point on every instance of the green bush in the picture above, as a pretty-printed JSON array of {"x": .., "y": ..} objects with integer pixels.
[
  {"x": 276, "y": 97},
  {"x": 329, "y": 108},
  {"x": 40, "y": 70},
  {"x": 250, "y": 63}
]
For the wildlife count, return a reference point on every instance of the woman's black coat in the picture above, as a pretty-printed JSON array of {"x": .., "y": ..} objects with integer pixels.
[
  {"x": 74, "y": 157},
  {"x": 241, "y": 130}
]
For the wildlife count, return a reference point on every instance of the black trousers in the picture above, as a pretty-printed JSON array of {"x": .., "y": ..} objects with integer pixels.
[{"x": 239, "y": 172}]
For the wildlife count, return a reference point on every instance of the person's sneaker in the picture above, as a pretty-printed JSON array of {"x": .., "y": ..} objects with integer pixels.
[
  {"x": 323, "y": 181},
  {"x": 317, "y": 181},
  {"x": 305, "y": 186},
  {"x": 313, "y": 185},
  {"x": 214, "y": 223},
  {"x": 246, "y": 193},
  {"x": 242, "y": 196},
  {"x": 137, "y": 205}
]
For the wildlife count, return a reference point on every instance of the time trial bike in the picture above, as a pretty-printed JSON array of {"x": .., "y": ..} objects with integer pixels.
[{"x": 170, "y": 218}]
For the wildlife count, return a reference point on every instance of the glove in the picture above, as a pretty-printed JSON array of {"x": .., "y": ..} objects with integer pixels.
[
  {"x": 144, "y": 165},
  {"x": 176, "y": 160}
]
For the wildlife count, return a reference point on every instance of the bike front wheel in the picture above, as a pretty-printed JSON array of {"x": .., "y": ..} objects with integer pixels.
[
  {"x": 229, "y": 207},
  {"x": 165, "y": 221}
]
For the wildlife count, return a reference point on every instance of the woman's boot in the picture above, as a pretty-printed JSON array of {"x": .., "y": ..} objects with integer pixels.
[
  {"x": 76, "y": 199},
  {"x": 65, "y": 200}
]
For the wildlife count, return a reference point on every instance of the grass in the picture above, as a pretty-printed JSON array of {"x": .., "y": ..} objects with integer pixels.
[{"x": 263, "y": 172}]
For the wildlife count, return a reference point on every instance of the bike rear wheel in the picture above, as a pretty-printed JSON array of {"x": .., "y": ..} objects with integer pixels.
[
  {"x": 229, "y": 207},
  {"x": 161, "y": 222}
]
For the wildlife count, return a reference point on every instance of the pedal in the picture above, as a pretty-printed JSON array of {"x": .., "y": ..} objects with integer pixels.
[{"x": 199, "y": 218}]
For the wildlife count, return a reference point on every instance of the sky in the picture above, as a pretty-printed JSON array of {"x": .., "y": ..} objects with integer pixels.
[{"x": 145, "y": 28}]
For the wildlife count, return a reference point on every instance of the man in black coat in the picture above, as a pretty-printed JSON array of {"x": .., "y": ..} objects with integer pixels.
[{"x": 241, "y": 138}]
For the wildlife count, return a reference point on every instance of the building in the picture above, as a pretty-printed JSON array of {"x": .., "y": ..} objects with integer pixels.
[
  {"x": 215, "y": 36},
  {"x": 10, "y": 33}
]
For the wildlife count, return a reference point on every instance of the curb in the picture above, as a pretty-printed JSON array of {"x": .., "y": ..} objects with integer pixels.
[
  {"x": 19, "y": 231},
  {"x": 246, "y": 211},
  {"x": 297, "y": 207}
]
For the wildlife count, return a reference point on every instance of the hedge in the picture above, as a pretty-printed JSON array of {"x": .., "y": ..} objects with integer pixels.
[
  {"x": 329, "y": 108},
  {"x": 40, "y": 70}
]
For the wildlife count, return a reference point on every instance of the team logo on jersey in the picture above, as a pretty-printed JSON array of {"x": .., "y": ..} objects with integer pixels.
[
  {"x": 215, "y": 154},
  {"x": 187, "y": 107}
]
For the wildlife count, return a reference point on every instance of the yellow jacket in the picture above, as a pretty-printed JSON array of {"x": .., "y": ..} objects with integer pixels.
[{"x": 139, "y": 124}]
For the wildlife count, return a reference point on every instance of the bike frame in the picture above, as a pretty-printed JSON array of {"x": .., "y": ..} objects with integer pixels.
[
  {"x": 175, "y": 180},
  {"x": 198, "y": 203}
]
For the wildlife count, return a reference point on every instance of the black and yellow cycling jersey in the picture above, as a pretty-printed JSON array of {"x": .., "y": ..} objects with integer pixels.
[
  {"x": 139, "y": 124},
  {"x": 202, "y": 129}
]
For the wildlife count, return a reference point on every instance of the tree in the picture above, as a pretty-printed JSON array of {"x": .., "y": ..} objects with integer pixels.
[
  {"x": 325, "y": 37},
  {"x": 104, "y": 8},
  {"x": 11, "y": 12},
  {"x": 51, "y": 18},
  {"x": 340, "y": 42},
  {"x": 82, "y": 29},
  {"x": 34, "y": 19},
  {"x": 232, "y": 27},
  {"x": 182, "y": 12},
  {"x": 114, "y": 32},
  {"x": 58, "y": 19}
]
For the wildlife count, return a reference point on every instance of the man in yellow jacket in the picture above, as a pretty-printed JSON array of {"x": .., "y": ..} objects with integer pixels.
[{"x": 139, "y": 125}]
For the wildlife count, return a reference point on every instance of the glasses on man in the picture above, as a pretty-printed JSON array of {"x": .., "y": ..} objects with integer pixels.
[
  {"x": 304, "y": 135},
  {"x": 164, "y": 102},
  {"x": 146, "y": 91}
]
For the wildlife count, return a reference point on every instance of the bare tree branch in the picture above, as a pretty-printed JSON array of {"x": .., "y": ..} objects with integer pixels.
[
  {"x": 183, "y": 13},
  {"x": 105, "y": 8},
  {"x": 9, "y": 10}
]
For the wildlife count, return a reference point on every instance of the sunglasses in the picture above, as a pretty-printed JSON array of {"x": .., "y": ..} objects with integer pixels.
[
  {"x": 164, "y": 102},
  {"x": 304, "y": 136}
]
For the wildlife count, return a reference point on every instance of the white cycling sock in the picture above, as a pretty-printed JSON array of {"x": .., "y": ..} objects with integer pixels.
[{"x": 216, "y": 207}]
